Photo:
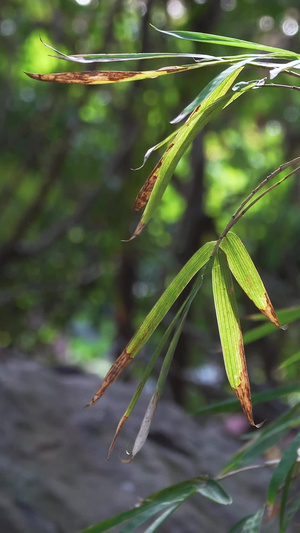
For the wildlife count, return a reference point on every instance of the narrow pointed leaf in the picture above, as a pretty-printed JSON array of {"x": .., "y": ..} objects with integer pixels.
[
  {"x": 290, "y": 360},
  {"x": 108, "y": 58},
  {"x": 230, "y": 333},
  {"x": 96, "y": 77},
  {"x": 267, "y": 437},
  {"x": 158, "y": 521},
  {"x": 249, "y": 524},
  {"x": 293, "y": 508},
  {"x": 165, "y": 499},
  {"x": 224, "y": 41},
  {"x": 284, "y": 501},
  {"x": 212, "y": 85},
  {"x": 288, "y": 460},
  {"x": 232, "y": 405},
  {"x": 284, "y": 315},
  {"x": 157, "y": 313},
  {"x": 156, "y": 184},
  {"x": 156, "y": 147},
  {"x": 244, "y": 271},
  {"x": 146, "y": 423}
]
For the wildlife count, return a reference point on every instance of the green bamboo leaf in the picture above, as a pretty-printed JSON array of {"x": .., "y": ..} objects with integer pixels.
[
  {"x": 267, "y": 437},
  {"x": 147, "y": 420},
  {"x": 165, "y": 499},
  {"x": 293, "y": 508},
  {"x": 284, "y": 315},
  {"x": 98, "y": 77},
  {"x": 257, "y": 398},
  {"x": 224, "y": 41},
  {"x": 155, "y": 316},
  {"x": 284, "y": 500},
  {"x": 158, "y": 521},
  {"x": 210, "y": 87},
  {"x": 156, "y": 184},
  {"x": 244, "y": 271},
  {"x": 230, "y": 333},
  {"x": 288, "y": 460},
  {"x": 249, "y": 524},
  {"x": 290, "y": 360}
]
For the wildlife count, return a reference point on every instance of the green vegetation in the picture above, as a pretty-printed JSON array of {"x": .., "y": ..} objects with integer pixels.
[{"x": 244, "y": 164}]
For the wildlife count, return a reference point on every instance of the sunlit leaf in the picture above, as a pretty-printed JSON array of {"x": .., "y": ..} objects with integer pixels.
[
  {"x": 224, "y": 41},
  {"x": 156, "y": 184},
  {"x": 288, "y": 460},
  {"x": 249, "y": 524},
  {"x": 168, "y": 498},
  {"x": 230, "y": 333},
  {"x": 157, "y": 313},
  {"x": 244, "y": 271}
]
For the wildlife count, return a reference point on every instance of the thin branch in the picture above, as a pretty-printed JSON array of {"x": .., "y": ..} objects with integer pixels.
[
  {"x": 240, "y": 212},
  {"x": 266, "y": 464}
]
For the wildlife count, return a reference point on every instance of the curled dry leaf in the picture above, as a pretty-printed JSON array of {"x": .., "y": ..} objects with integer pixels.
[{"x": 96, "y": 77}]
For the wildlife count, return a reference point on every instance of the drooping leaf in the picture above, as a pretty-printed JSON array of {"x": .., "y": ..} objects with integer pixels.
[
  {"x": 267, "y": 437},
  {"x": 288, "y": 460},
  {"x": 163, "y": 500},
  {"x": 244, "y": 271},
  {"x": 230, "y": 333},
  {"x": 156, "y": 184},
  {"x": 155, "y": 316},
  {"x": 182, "y": 312},
  {"x": 225, "y": 41},
  {"x": 259, "y": 397},
  {"x": 98, "y": 77},
  {"x": 249, "y": 524}
]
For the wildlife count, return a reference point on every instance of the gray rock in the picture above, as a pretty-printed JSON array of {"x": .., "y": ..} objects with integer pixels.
[{"x": 54, "y": 476}]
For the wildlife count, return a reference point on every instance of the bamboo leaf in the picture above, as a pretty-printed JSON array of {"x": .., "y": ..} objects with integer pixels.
[
  {"x": 159, "y": 502},
  {"x": 284, "y": 316},
  {"x": 157, "y": 313},
  {"x": 224, "y": 41},
  {"x": 249, "y": 524},
  {"x": 260, "y": 397},
  {"x": 230, "y": 333},
  {"x": 156, "y": 184},
  {"x": 284, "y": 500},
  {"x": 290, "y": 360},
  {"x": 244, "y": 271},
  {"x": 267, "y": 437},
  {"x": 109, "y": 58},
  {"x": 96, "y": 77},
  {"x": 290, "y": 514},
  {"x": 288, "y": 460}
]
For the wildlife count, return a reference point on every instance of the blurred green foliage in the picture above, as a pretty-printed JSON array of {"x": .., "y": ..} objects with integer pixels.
[{"x": 68, "y": 286}]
